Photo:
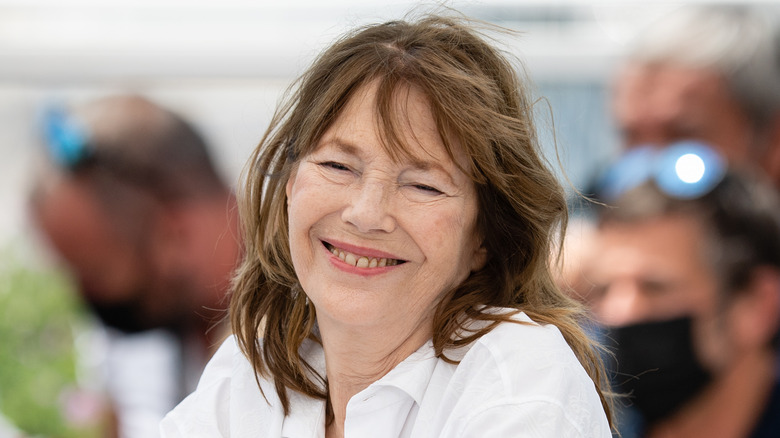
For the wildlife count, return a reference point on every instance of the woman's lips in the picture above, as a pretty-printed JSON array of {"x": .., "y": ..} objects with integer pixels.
[{"x": 359, "y": 260}]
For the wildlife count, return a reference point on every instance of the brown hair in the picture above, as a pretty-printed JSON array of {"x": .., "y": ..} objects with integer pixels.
[{"x": 477, "y": 98}]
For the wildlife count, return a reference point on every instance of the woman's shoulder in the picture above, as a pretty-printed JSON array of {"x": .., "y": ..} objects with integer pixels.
[
  {"x": 519, "y": 336},
  {"x": 525, "y": 361},
  {"x": 522, "y": 335},
  {"x": 228, "y": 364},
  {"x": 526, "y": 370},
  {"x": 227, "y": 382}
]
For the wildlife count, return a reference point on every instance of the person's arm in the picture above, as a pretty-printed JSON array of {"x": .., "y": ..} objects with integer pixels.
[{"x": 205, "y": 412}]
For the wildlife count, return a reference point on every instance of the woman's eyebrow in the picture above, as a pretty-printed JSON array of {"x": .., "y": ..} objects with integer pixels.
[
  {"x": 427, "y": 165},
  {"x": 432, "y": 166},
  {"x": 342, "y": 146},
  {"x": 415, "y": 163}
]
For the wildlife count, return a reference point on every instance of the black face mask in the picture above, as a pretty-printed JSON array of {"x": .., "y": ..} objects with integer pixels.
[
  {"x": 656, "y": 366},
  {"x": 125, "y": 316},
  {"x": 130, "y": 316}
]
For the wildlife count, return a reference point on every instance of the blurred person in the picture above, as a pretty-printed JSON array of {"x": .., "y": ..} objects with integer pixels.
[
  {"x": 704, "y": 73},
  {"x": 398, "y": 217},
  {"x": 708, "y": 73},
  {"x": 687, "y": 282},
  {"x": 578, "y": 248},
  {"x": 133, "y": 205}
]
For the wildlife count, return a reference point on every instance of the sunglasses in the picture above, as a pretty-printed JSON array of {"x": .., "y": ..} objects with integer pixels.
[{"x": 683, "y": 170}]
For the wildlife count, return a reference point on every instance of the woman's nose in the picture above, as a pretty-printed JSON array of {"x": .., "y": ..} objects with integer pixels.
[{"x": 369, "y": 208}]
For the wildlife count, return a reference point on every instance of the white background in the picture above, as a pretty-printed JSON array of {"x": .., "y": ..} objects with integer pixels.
[{"x": 224, "y": 63}]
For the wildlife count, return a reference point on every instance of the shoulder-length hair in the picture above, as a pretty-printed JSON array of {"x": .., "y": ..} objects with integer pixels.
[{"x": 478, "y": 99}]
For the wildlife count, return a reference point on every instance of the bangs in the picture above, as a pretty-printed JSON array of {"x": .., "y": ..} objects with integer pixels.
[
  {"x": 394, "y": 123},
  {"x": 394, "y": 71}
]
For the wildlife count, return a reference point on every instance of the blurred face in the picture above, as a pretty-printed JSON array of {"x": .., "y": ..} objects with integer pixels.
[
  {"x": 662, "y": 104},
  {"x": 377, "y": 242},
  {"x": 105, "y": 262},
  {"x": 655, "y": 271},
  {"x": 114, "y": 273}
]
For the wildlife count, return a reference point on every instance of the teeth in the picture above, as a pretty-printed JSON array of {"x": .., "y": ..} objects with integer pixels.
[{"x": 362, "y": 262}]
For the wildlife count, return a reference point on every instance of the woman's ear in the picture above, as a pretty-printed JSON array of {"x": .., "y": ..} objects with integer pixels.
[
  {"x": 479, "y": 258},
  {"x": 290, "y": 182},
  {"x": 288, "y": 188}
]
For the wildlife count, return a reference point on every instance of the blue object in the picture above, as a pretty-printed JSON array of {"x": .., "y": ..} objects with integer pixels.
[
  {"x": 67, "y": 140},
  {"x": 684, "y": 170}
]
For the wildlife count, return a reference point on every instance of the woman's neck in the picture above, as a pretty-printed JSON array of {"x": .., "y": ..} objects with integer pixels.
[{"x": 356, "y": 358}]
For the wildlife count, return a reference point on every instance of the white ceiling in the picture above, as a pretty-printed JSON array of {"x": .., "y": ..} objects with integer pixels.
[
  {"x": 44, "y": 41},
  {"x": 56, "y": 41}
]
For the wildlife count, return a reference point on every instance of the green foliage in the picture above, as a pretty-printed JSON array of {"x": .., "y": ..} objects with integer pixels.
[{"x": 39, "y": 318}]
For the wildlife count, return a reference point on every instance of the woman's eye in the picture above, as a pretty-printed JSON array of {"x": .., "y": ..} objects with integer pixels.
[
  {"x": 427, "y": 189},
  {"x": 334, "y": 165}
]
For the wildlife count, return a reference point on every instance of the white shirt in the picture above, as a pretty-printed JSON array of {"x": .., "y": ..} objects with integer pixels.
[
  {"x": 519, "y": 380},
  {"x": 142, "y": 378}
]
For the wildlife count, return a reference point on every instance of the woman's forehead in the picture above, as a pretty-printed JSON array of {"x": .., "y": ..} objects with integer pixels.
[{"x": 406, "y": 126}]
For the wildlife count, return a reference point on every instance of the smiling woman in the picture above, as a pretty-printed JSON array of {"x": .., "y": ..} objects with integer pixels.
[
  {"x": 398, "y": 219},
  {"x": 418, "y": 213}
]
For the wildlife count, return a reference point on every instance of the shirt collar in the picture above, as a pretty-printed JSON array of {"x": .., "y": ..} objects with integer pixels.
[
  {"x": 413, "y": 374},
  {"x": 307, "y": 415}
]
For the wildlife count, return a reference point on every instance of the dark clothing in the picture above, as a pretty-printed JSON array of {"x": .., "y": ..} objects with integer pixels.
[{"x": 769, "y": 424}]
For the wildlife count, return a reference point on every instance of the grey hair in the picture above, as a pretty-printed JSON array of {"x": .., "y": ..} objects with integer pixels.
[{"x": 740, "y": 42}]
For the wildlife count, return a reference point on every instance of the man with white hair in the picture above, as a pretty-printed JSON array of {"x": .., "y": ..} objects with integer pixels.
[{"x": 706, "y": 73}]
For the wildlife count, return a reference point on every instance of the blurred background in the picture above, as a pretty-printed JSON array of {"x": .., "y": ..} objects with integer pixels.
[{"x": 223, "y": 66}]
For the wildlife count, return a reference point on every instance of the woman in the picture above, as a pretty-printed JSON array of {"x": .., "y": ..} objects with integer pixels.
[{"x": 398, "y": 219}]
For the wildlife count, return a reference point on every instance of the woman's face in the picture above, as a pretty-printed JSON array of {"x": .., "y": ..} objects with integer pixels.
[{"x": 377, "y": 243}]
